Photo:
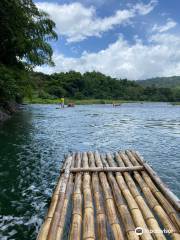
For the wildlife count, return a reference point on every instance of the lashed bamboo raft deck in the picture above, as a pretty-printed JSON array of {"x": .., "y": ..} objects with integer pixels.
[{"x": 108, "y": 197}]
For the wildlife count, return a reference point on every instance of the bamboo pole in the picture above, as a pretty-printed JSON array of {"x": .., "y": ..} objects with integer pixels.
[
  {"x": 150, "y": 220},
  {"x": 61, "y": 223},
  {"x": 76, "y": 225},
  {"x": 110, "y": 207},
  {"x": 134, "y": 209},
  {"x": 66, "y": 203},
  {"x": 99, "y": 206},
  {"x": 164, "y": 189},
  {"x": 153, "y": 203},
  {"x": 46, "y": 225},
  {"x": 105, "y": 169},
  {"x": 164, "y": 202},
  {"x": 123, "y": 210},
  {"x": 122, "y": 207},
  {"x": 52, "y": 233},
  {"x": 88, "y": 218}
]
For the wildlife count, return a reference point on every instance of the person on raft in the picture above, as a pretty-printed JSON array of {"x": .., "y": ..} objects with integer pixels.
[{"x": 62, "y": 102}]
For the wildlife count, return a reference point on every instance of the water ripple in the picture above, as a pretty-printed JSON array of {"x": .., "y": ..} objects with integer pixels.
[{"x": 33, "y": 144}]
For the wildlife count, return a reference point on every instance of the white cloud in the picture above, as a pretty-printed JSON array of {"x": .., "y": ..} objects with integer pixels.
[
  {"x": 160, "y": 57},
  {"x": 77, "y": 22},
  {"x": 164, "y": 28},
  {"x": 144, "y": 9}
]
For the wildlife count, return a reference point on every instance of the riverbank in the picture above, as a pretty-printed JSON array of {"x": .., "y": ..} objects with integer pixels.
[
  {"x": 84, "y": 101},
  {"x": 175, "y": 103},
  {"x": 7, "y": 109},
  {"x": 76, "y": 101}
]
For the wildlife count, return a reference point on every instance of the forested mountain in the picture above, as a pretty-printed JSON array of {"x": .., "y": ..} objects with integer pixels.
[
  {"x": 95, "y": 85},
  {"x": 168, "y": 82}
]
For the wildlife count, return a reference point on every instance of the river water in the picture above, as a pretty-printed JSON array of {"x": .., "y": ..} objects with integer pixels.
[{"x": 34, "y": 141}]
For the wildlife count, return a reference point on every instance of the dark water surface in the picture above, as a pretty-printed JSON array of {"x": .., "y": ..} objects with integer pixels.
[{"x": 33, "y": 144}]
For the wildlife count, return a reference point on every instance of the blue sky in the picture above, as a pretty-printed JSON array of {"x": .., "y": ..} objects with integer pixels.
[{"x": 121, "y": 38}]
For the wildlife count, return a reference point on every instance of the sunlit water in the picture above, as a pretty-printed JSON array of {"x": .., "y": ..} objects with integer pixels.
[{"x": 33, "y": 144}]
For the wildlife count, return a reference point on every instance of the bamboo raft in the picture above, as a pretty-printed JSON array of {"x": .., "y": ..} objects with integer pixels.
[{"x": 112, "y": 196}]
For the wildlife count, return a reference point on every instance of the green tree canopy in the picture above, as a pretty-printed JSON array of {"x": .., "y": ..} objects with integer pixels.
[
  {"x": 95, "y": 85},
  {"x": 25, "y": 32}
]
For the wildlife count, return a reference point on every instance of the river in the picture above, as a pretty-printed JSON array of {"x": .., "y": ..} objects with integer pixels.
[{"x": 33, "y": 143}]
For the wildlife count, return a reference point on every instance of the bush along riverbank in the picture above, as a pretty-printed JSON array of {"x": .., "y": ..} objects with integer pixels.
[
  {"x": 7, "y": 109},
  {"x": 117, "y": 102},
  {"x": 37, "y": 100},
  {"x": 24, "y": 42}
]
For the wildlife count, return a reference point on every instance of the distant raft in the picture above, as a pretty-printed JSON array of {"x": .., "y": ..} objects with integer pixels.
[{"x": 112, "y": 196}]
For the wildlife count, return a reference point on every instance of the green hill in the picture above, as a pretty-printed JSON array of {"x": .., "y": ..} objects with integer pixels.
[
  {"x": 95, "y": 85},
  {"x": 165, "y": 82}
]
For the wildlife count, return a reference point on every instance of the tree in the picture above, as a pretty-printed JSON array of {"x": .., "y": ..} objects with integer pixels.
[
  {"x": 25, "y": 32},
  {"x": 98, "y": 86}
]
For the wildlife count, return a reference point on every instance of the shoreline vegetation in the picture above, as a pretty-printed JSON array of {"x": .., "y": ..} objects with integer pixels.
[
  {"x": 7, "y": 109},
  {"x": 75, "y": 101},
  {"x": 87, "y": 101},
  {"x": 175, "y": 103}
]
